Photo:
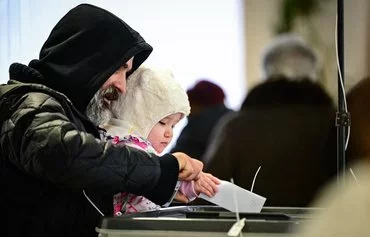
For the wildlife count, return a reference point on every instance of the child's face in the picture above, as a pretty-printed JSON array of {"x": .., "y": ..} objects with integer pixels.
[{"x": 162, "y": 132}]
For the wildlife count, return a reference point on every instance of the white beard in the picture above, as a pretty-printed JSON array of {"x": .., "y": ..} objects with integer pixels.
[{"x": 97, "y": 112}]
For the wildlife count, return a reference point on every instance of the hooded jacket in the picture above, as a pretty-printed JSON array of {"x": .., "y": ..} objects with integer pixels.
[{"x": 52, "y": 159}]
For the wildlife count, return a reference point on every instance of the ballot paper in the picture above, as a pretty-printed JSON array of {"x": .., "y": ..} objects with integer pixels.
[{"x": 228, "y": 193}]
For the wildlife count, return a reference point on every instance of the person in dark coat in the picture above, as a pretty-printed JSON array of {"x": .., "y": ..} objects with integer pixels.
[
  {"x": 57, "y": 177},
  {"x": 358, "y": 100},
  {"x": 283, "y": 132},
  {"x": 207, "y": 107}
]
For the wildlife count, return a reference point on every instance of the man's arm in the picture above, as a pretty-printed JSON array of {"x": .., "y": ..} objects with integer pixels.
[{"x": 42, "y": 141}]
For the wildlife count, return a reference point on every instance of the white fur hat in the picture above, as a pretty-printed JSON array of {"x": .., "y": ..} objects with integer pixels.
[
  {"x": 290, "y": 55},
  {"x": 152, "y": 94}
]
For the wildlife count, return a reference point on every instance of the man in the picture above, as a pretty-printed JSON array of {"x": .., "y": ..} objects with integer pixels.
[{"x": 57, "y": 177}]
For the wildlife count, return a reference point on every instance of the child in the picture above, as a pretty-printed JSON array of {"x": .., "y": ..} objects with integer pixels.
[{"x": 144, "y": 118}]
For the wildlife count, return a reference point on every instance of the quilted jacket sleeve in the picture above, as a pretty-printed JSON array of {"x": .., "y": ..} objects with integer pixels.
[{"x": 46, "y": 142}]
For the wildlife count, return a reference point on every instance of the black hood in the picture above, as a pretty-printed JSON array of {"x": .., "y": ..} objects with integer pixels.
[{"x": 83, "y": 50}]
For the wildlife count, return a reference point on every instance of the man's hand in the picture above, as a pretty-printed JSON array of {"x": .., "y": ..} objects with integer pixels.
[
  {"x": 207, "y": 184},
  {"x": 189, "y": 168}
]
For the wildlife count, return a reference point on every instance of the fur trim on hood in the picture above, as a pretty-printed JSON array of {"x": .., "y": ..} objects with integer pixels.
[{"x": 152, "y": 94}]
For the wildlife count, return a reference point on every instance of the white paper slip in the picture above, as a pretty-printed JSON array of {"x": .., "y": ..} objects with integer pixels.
[{"x": 246, "y": 200}]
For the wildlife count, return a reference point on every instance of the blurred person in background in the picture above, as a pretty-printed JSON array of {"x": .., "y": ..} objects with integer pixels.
[
  {"x": 207, "y": 101},
  {"x": 284, "y": 127},
  {"x": 358, "y": 102},
  {"x": 345, "y": 206}
]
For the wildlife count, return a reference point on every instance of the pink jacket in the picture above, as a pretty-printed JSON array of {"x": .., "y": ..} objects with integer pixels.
[{"x": 126, "y": 203}]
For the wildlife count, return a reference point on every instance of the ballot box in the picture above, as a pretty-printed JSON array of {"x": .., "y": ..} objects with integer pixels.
[{"x": 205, "y": 221}]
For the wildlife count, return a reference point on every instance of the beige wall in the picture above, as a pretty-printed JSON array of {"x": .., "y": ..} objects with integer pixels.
[
  {"x": 357, "y": 39},
  {"x": 259, "y": 18},
  {"x": 262, "y": 15}
]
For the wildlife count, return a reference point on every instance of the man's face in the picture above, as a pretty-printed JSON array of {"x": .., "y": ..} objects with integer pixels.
[
  {"x": 118, "y": 79},
  {"x": 98, "y": 109}
]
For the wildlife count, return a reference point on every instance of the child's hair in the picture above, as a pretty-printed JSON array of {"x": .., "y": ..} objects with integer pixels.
[{"x": 152, "y": 94}]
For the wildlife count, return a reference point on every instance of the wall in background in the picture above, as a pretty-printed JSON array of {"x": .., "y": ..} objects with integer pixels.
[
  {"x": 357, "y": 40},
  {"x": 217, "y": 39},
  {"x": 261, "y": 16},
  {"x": 196, "y": 39}
]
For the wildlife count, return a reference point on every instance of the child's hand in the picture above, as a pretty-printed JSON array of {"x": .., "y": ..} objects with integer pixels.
[
  {"x": 207, "y": 184},
  {"x": 181, "y": 198}
]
